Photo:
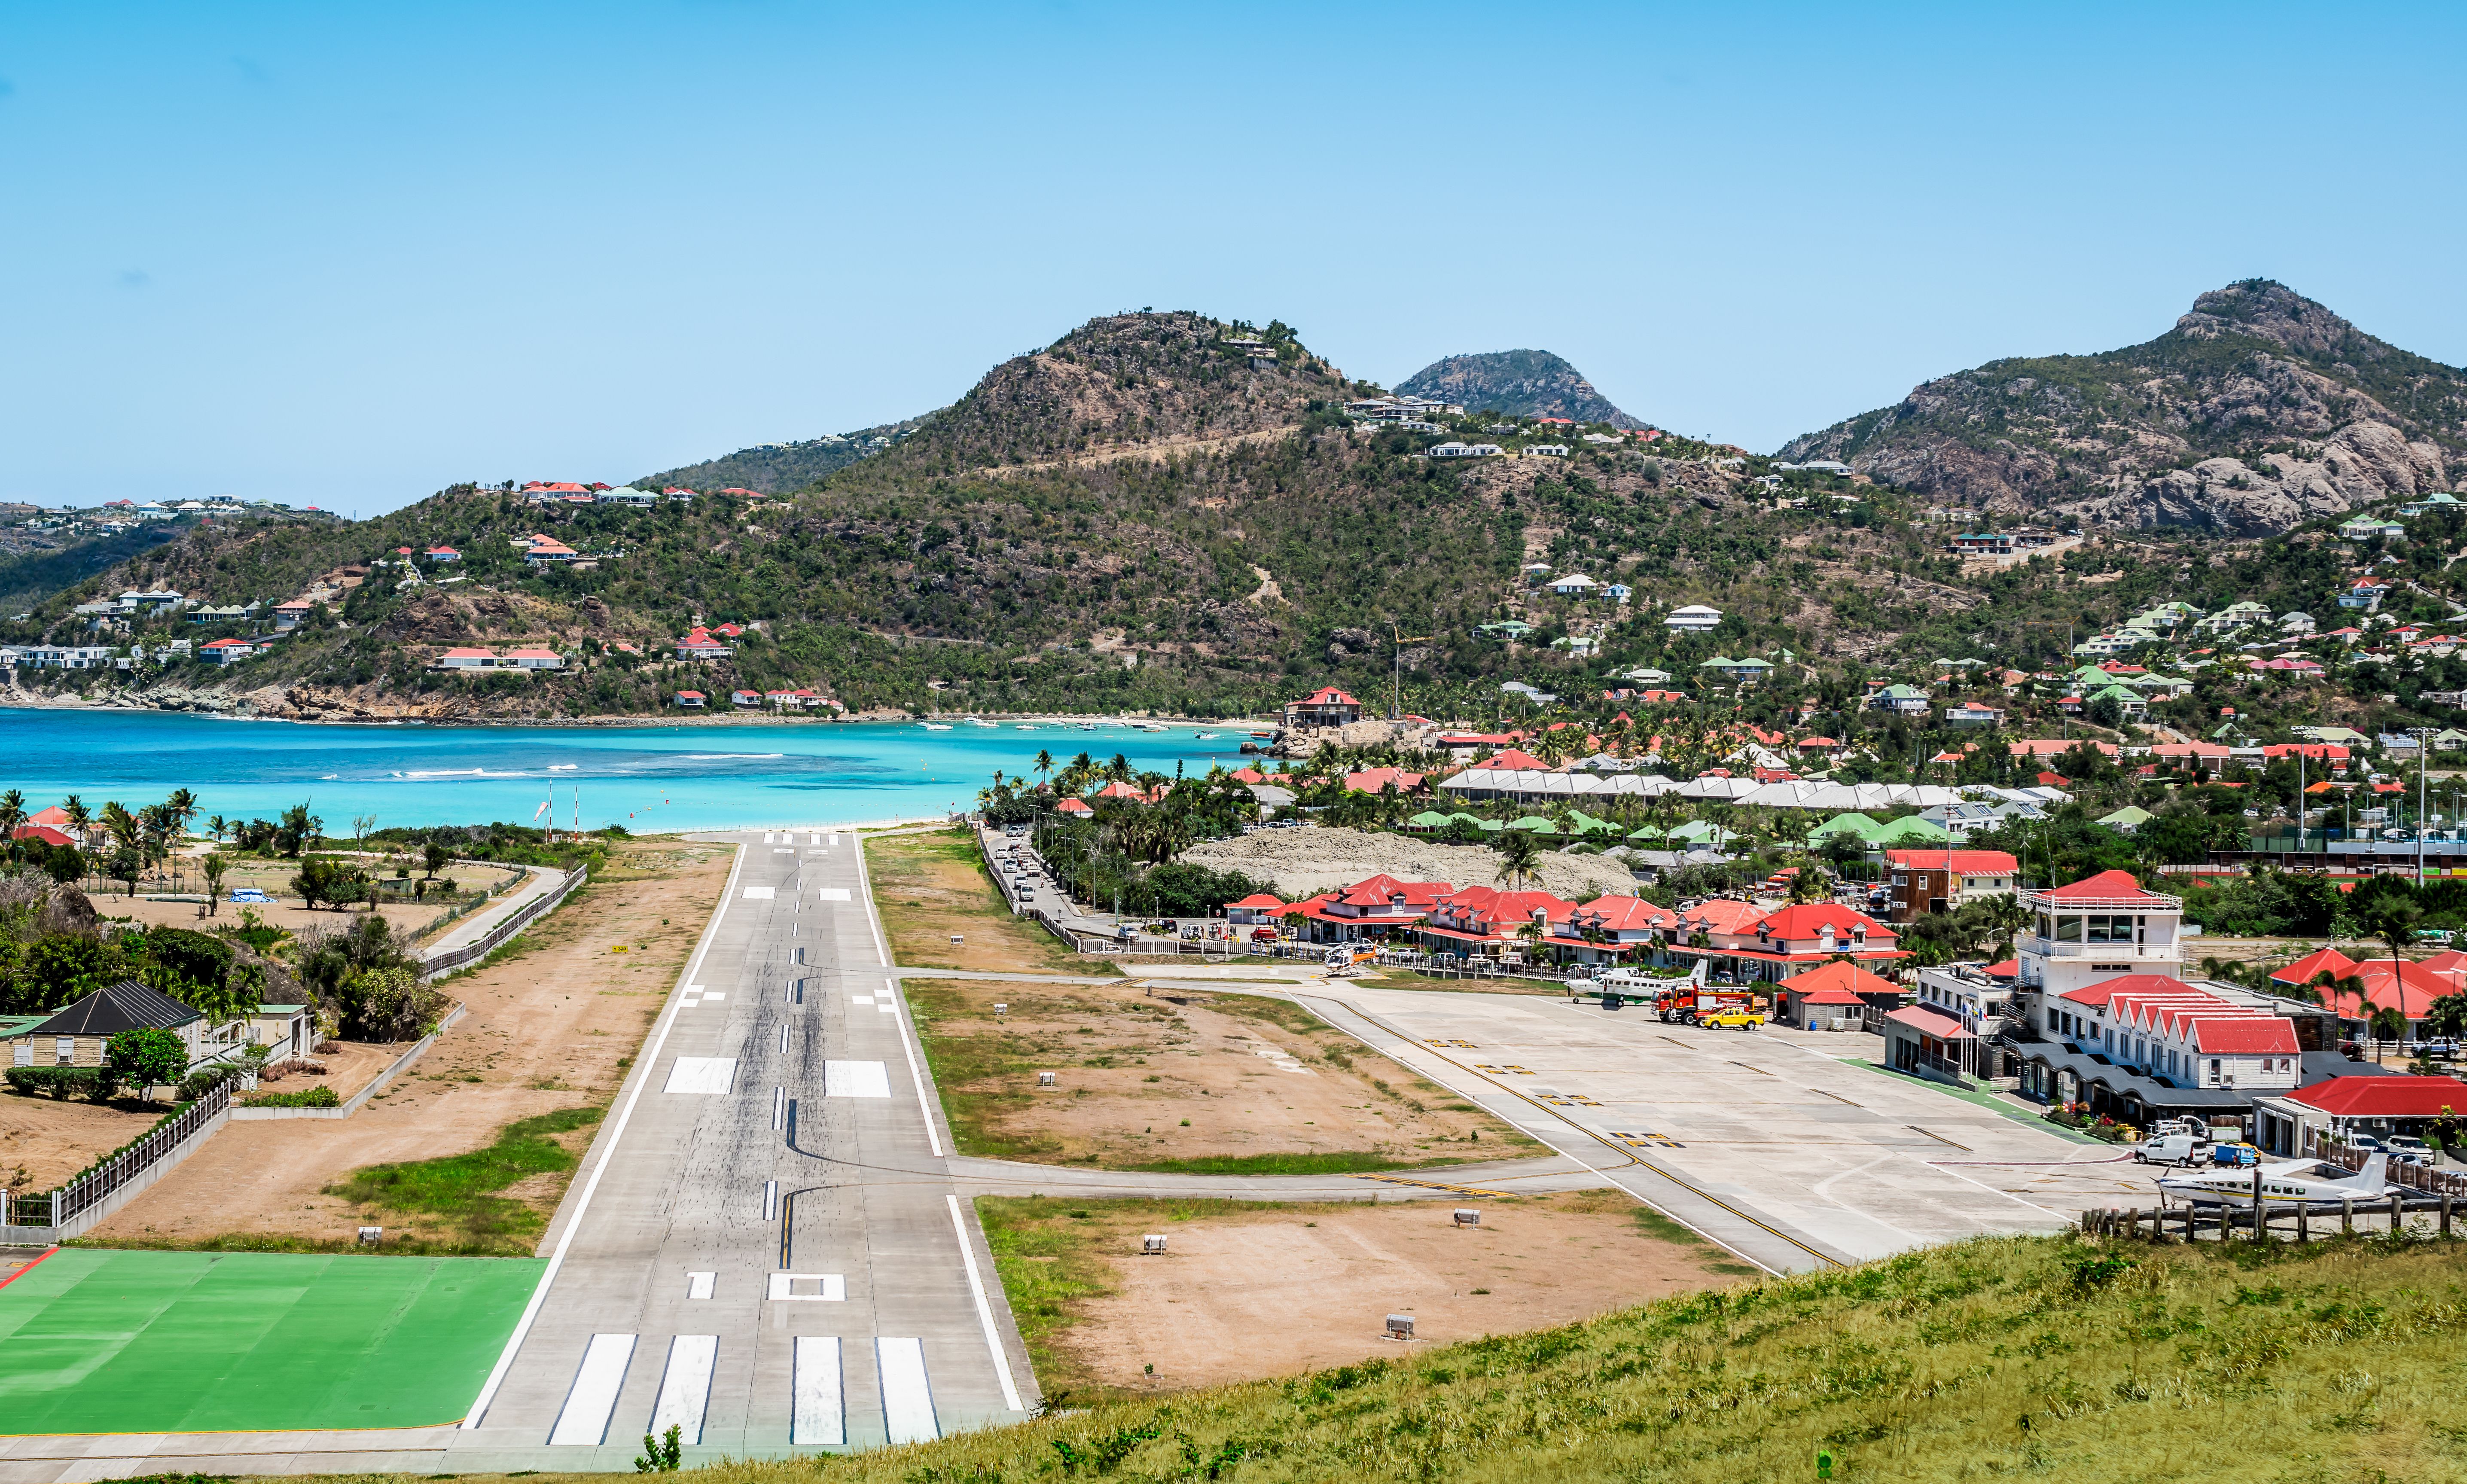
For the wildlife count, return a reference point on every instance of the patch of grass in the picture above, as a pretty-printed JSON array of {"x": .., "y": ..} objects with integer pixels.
[
  {"x": 2336, "y": 1365},
  {"x": 930, "y": 885},
  {"x": 456, "y": 1195}
]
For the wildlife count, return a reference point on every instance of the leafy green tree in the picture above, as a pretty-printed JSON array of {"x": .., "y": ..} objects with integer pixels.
[
  {"x": 125, "y": 864},
  {"x": 1520, "y": 859},
  {"x": 215, "y": 865},
  {"x": 436, "y": 858},
  {"x": 148, "y": 1057}
]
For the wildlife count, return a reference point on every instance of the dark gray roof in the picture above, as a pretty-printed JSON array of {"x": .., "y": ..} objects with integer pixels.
[{"x": 127, "y": 1006}]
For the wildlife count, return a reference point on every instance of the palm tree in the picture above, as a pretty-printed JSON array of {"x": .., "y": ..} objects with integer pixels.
[
  {"x": 1520, "y": 859},
  {"x": 1043, "y": 763},
  {"x": 79, "y": 816},
  {"x": 183, "y": 805},
  {"x": 2387, "y": 1024},
  {"x": 218, "y": 827},
  {"x": 1120, "y": 768},
  {"x": 13, "y": 818},
  {"x": 215, "y": 864}
]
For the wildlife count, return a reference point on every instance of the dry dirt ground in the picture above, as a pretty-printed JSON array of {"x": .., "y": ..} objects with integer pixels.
[
  {"x": 1177, "y": 1078},
  {"x": 552, "y": 1024},
  {"x": 290, "y": 917},
  {"x": 932, "y": 885},
  {"x": 50, "y": 1141},
  {"x": 1246, "y": 1292}
]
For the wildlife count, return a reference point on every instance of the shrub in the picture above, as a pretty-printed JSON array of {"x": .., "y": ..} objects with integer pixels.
[
  {"x": 149, "y": 1057},
  {"x": 60, "y": 1082},
  {"x": 308, "y": 1097}
]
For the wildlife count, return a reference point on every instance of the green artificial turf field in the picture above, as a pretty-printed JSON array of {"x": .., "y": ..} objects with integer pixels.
[{"x": 100, "y": 1341}]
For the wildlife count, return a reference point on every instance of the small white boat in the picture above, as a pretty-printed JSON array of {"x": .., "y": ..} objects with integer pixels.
[
  {"x": 1087, "y": 726},
  {"x": 988, "y": 725},
  {"x": 936, "y": 726},
  {"x": 1024, "y": 726},
  {"x": 1206, "y": 736}
]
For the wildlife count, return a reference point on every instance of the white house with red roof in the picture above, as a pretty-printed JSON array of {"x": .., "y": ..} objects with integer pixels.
[
  {"x": 1613, "y": 930},
  {"x": 444, "y": 554},
  {"x": 1074, "y": 808},
  {"x": 692, "y": 700},
  {"x": 1484, "y": 922},
  {"x": 1377, "y": 906},
  {"x": 702, "y": 644},
  {"x": 465, "y": 657},
  {"x": 1325, "y": 707},
  {"x": 229, "y": 651},
  {"x": 548, "y": 551}
]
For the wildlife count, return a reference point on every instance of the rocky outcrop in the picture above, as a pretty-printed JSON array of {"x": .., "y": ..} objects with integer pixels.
[
  {"x": 2259, "y": 410},
  {"x": 1520, "y": 383}
]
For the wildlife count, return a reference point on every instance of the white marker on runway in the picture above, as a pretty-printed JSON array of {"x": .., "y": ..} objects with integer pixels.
[
  {"x": 907, "y": 1395},
  {"x": 784, "y": 1038},
  {"x": 685, "y": 1389},
  {"x": 707, "y": 1076},
  {"x": 779, "y": 1108},
  {"x": 770, "y": 1200},
  {"x": 758, "y": 893},
  {"x": 832, "y": 894},
  {"x": 855, "y": 1079},
  {"x": 830, "y": 1288},
  {"x": 583, "y": 1420},
  {"x": 818, "y": 1412},
  {"x": 698, "y": 1284}
]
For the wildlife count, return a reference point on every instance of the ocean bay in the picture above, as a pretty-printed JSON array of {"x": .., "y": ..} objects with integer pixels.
[{"x": 645, "y": 778}]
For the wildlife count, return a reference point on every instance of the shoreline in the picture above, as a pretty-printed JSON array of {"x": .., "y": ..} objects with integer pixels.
[{"x": 19, "y": 700}]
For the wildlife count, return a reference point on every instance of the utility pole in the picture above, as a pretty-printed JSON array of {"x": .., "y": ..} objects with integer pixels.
[{"x": 2423, "y": 769}]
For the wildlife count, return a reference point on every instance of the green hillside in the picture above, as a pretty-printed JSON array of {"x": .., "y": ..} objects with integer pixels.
[
  {"x": 2021, "y": 1359},
  {"x": 775, "y": 468}
]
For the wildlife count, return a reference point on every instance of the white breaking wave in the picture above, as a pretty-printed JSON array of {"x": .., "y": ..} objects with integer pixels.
[{"x": 724, "y": 757}]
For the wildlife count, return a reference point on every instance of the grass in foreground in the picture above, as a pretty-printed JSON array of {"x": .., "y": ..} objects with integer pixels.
[
  {"x": 2022, "y": 1358},
  {"x": 456, "y": 1201}
]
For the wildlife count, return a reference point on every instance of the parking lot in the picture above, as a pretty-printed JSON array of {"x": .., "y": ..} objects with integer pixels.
[{"x": 1786, "y": 1146}]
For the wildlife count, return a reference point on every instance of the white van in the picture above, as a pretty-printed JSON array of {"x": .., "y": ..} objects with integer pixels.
[{"x": 2168, "y": 1149}]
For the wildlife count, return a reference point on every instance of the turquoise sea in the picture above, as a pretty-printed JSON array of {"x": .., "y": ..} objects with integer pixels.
[{"x": 646, "y": 778}]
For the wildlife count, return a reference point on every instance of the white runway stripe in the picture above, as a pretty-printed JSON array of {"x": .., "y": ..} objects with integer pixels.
[
  {"x": 818, "y": 1411},
  {"x": 779, "y": 1108},
  {"x": 831, "y": 894},
  {"x": 708, "y": 1076},
  {"x": 698, "y": 1284},
  {"x": 584, "y": 1417},
  {"x": 855, "y": 1079},
  {"x": 685, "y": 1389},
  {"x": 758, "y": 893},
  {"x": 907, "y": 1396}
]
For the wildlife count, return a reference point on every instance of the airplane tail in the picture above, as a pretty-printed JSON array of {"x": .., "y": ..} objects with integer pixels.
[
  {"x": 2372, "y": 1177},
  {"x": 1697, "y": 975}
]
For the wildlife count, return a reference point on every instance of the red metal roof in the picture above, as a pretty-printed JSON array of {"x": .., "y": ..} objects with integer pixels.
[
  {"x": 1928, "y": 1022},
  {"x": 2108, "y": 886},
  {"x": 1840, "y": 979},
  {"x": 2385, "y": 1097},
  {"x": 2303, "y": 969},
  {"x": 1969, "y": 863},
  {"x": 2100, "y": 994},
  {"x": 2246, "y": 1033}
]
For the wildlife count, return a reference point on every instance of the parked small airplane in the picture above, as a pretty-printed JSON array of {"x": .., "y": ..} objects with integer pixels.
[{"x": 2309, "y": 1182}]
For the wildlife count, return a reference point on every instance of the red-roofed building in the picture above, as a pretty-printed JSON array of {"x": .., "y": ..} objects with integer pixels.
[
  {"x": 2057, "y": 746},
  {"x": 2292, "y": 1124},
  {"x": 2405, "y": 986},
  {"x": 2324, "y": 961},
  {"x": 1749, "y": 943},
  {"x": 1935, "y": 880},
  {"x": 1514, "y": 760},
  {"x": 1325, "y": 707},
  {"x": 701, "y": 645},
  {"x": 1256, "y": 908},
  {"x": 1612, "y": 930},
  {"x": 1374, "y": 780},
  {"x": 1373, "y": 908},
  {"x": 41, "y": 834},
  {"x": 1485, "y": 922},
  {"x": 691, "y": 700},
  {"x": 1835, "y": 991},
  {"x": 1074, "y": 808}
]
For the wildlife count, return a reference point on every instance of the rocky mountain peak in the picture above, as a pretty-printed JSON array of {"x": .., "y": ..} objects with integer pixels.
[
  {"x": 2272, "y": 311},
  {"x": 1520, "y": 383}
]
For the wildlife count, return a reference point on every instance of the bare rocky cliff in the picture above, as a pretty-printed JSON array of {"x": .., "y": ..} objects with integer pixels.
[{"x": 2259, "y": 410}]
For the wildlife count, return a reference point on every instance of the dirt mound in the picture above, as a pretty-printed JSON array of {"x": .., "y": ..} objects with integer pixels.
[{"x": 1307, "y": 860}]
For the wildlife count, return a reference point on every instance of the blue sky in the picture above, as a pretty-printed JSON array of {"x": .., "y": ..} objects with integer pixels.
[{"x": 349, "y": 254}]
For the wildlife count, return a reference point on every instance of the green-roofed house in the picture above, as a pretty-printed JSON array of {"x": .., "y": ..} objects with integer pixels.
[
  {"x": 1581, "y": 825},
  {"x": 1536, "y": 824},
  {"x": 2129, "y": 819},
  {"x": 1859, "y": 825},
  {"x": 2131, "y": 702},
  {"x": 1700, "y": 831},
  {"x": 1909, "y": 700},
  {"x": 1651, "y": 834},
  {"x": 1429, "y": 818},
  {"x": 1909, "y": 831}
]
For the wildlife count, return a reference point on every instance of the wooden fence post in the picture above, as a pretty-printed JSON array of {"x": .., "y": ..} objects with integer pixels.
[
  {"x": 2303, "y": 1222},
  {"x": 2346, "y": 1215}
]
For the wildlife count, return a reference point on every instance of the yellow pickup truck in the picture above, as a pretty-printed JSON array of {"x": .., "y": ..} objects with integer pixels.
[{"x": 1730, "y": 1019}]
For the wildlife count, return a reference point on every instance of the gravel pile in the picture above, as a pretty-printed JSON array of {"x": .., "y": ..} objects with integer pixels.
[{"x": 1309, "y": 860}]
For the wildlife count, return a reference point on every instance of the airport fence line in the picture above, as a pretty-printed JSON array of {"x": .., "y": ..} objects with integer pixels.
[
  {"x": 450, "y": 959},
  {"x": 79, "y": 1204}
]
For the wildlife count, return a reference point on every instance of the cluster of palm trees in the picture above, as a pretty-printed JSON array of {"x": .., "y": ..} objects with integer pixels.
[{"x": 120, "y": 844}]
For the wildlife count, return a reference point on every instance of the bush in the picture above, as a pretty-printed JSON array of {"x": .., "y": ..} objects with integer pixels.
[
  {"x": 149, "y": 1057},
  {"x": 60, "y": 1082},
  {"x": 310, "y": 1098},
  {"x": 197, "y": 1084}
]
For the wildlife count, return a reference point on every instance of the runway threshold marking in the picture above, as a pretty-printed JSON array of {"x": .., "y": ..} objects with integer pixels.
[
  {"x": 583, "y": 1420},
  {"x": 818, "y": 1405},
  {"x": 907, "y": 1391},
  {"x": 685, "y": 1387}
]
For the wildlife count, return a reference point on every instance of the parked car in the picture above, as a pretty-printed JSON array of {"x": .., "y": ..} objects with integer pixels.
[
  {"x": 1732, "y": 1019},
  {"x": 2169, "y": 1149},
  {"x": 1263, "y": 935},
  {"x": 2407, "y": 1149}
]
